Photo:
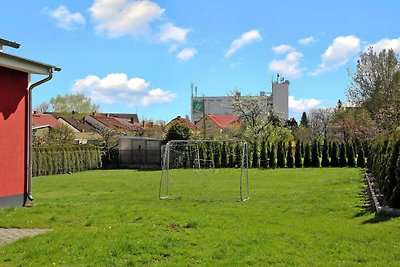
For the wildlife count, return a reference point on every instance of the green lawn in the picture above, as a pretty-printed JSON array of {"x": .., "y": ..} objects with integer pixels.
[{"x": 300, "y": 217}]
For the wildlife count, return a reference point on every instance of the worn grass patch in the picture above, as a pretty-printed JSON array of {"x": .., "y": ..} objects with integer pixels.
[{"x": 303, "y": 217}]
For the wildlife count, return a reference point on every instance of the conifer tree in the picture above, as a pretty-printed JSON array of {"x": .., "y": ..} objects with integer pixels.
[
  {"x": 254, "y": 162},
  {"x": 263, "y": 156},
  {"x": 350, "y": 155},
  {"x": 307, "y": 156},
  {"x": 272, "y": 156},
  {"x": 360, "y": 157},
  {"x": 315, "y": 155},
  {"x": 289, "y": 156},
  {"x": 342, "y": 156},
  {"x": 297, "y": 155},
  {"x": 334, "y": 155},
  {"x": 281, "y": 155},
  {"x": 325, "y": 155},
  {"x": 224, "y": 159}
]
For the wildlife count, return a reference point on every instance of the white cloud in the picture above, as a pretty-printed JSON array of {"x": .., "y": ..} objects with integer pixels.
[
  {"x": 338, "y": 53},
  {"x": 283, "y": 48},
  {"x": 124, "y": 17},
  {"x": 303, "y": 105},
  {"x": 244, "y": 39},
  {"x": 186, "y": 53},
  {"x": 386, "y": 44},
  {"x": 307, "y": 40},
  {"x": 171, "y": 33},
  {"x": 64, "y": 18},
  {"x": 118, "y": 88},
  {"x": 289, "y": 66}
]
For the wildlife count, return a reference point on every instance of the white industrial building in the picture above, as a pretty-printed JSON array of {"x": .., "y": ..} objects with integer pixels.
[{"x": 278, "y": 100}]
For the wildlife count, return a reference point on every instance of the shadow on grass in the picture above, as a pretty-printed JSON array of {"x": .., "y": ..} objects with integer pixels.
[{"x": 377, "y": 219}]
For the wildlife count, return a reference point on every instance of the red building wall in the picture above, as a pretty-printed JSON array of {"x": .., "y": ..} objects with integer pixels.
[{"x": 13, "y": 123}]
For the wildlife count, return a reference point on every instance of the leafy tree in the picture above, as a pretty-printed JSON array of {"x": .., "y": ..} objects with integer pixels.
[
  {"x": 263, "y": 156},
  {"x": 297, "y": 155},
  {"x": 376, "y": 82},
  {"x": 342, "y": 156},
  {"x": 73, "y": 103},
  {"x": 315, "y": 155},
  {"x": 255, "y": 115},
  {"x": 109, "y": 145},
  {"x": 325, "y": 154},
  {"x": 59, "y": 136},
  {"x": 178, "y": 131},
  {"x": 42, "y": 108},
  {"x": 307, "y": 156},
  {"x": 304, "y": 120},
  {"x": 319, "y": 120},
  {"x": 289, "y": 156}
]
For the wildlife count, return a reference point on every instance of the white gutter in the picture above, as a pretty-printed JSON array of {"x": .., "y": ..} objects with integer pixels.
[{"x": 29, "y": 134}]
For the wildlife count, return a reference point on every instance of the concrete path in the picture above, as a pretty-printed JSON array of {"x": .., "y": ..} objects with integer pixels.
[{"x": 11, "y": 235}]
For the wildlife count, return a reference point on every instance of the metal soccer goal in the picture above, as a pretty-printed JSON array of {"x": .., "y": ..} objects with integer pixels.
[{"x": 205, "y": 170}]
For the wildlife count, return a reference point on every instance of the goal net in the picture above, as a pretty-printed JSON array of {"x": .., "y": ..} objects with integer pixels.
[{"x": 205, "y": 170}]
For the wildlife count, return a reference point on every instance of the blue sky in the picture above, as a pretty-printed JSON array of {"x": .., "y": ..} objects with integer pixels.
[{"x": 142, "y": 56}]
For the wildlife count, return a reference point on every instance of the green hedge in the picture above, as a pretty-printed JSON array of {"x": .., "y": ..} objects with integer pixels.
[
  {"x": 66, "y": 159},
  {"x": 384, "y": 164}
]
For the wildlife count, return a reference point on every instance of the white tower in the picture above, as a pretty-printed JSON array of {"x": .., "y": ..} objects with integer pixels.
[{"x": 280, "y": 97}]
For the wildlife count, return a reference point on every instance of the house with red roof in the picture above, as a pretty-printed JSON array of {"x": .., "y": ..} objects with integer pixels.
[
  {"x": 212, "y": 125},
  {"x": 16, "y": 124},
  {"x": 192, "y": 127},
  {"x": 101, "y": 122}
]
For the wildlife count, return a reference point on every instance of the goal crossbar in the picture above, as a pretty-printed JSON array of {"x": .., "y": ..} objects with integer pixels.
[{"x": 191, "y": 156}]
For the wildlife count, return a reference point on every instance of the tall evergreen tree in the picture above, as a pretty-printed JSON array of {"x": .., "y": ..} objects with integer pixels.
[
  {"x": 334, "y": 155},
  {"x": 272, "y": 157},
  {"x": 297, "y": 155},
  {"x": 350, "y": 155},
  {"x": 224, "y": 159},
  {"x": 238, "y": 157},
  {"x": 342, "y": 156},
  {"x": 263, "y": 156},
  {"x": 289, "y": 156},
  {"x": 315, "y": 155},
  {"x": 325, "y": 155},
  {"x": 281, "y": 155},
  {"x": 307, "y": 156},
  {"x": 304, "y": 120},
  {"x": 254, "y": 162},
  {"x": 360, "y": 157}
]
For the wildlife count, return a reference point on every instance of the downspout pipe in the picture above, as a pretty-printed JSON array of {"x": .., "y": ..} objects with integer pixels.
[{"x": 29, "y": 133}]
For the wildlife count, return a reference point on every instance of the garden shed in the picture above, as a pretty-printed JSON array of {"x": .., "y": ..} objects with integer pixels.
[
  {"x": 16, "y": 124},
  {"x": 139, "y": 152}
]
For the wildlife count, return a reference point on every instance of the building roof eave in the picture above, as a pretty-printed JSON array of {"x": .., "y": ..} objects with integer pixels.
[{"x": 25, "y": 65}]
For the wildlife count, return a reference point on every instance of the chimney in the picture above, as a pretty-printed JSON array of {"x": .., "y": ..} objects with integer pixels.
[
  {"x": 132, "y": 120},
  {"x": 108, "y": 115},
  {"x": 35, "y": 112}
]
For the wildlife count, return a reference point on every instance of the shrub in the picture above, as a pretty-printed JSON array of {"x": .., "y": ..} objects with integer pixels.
[
  {"x": 281, "y": 162},
  {"x": 325, "y": 154},
  {"x": 360, "y": 157},
  {"x": 263, "y": 156},
  {"x": 254, "y": 161},
  {"x": 307, "y": 156},
  {"x": 315, "y": 155},
  {"x": 334, "y": 155},
  {"x": 289, "y": 156},
  {"x": 297, "y": 156},
  {"x": 272, "y": 156},
  {"x": 342, "y": 156},
  {"x": 350, "y": 155}
]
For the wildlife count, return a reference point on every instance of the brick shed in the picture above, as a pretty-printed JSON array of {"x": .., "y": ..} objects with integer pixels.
[{"x": 16, "y": 124}]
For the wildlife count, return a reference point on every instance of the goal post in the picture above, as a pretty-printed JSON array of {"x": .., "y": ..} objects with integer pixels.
[{"x": 205, "y": 170}]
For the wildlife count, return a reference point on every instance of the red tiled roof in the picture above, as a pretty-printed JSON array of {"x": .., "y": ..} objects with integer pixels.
[
  {"x": 44, "y": 119},
  {"x": 185, "y": 121},
  {"x": 110, "y": 122},
  {"x": 223, "y": 121}
]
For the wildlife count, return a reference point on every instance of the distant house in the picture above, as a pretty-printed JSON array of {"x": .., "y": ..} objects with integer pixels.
[
  {"x": 211, "y": 125},
  {"x": 192, "y": 127},
  {"x": 16, "y": 124},
  {"x": 83, "y": 132},
  {"x": 107, "y": 122},
  {"x": 39, "y": 119}
]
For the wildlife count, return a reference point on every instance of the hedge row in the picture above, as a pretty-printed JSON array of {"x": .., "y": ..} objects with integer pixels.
[
  {"x": 384, "y": 164},
  {"x": 279, "y": 155},
  {"x": 68, "y": 159}
]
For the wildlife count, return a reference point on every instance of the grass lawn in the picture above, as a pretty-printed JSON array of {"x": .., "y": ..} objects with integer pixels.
[{"x": 300, "y": 217}]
